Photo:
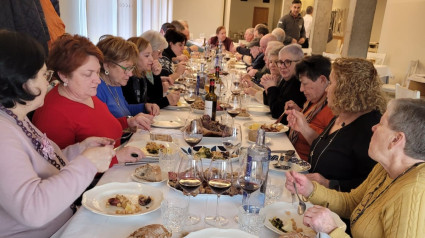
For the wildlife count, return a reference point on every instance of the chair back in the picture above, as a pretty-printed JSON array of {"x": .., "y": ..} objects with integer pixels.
[
  {"x": 411, "y": 69},
  {"x": 376, "y": 58},
  {"x": 402, "y": 92}
]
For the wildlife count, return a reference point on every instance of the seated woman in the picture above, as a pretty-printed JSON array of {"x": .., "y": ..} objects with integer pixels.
[
  {"x": 271, "y": 58},
  {"x": 72, "y": 112},
  {"x": 176, "y": 42},
  {"x": 338, "y": 156},
  {"x": 221, "y": 37},
  {"x": 391, "y": 201},
  {"x": 38, "y": 181},
  {"x": 146, "y": 85},
  {"x": 120, "y": 57},
  {"x": 279, "y": 90},
  {"x": 313, "y": 72}
]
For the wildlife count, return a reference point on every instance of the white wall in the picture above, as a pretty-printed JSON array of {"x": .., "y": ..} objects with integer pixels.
[
  {"x": 204, "y": 16},
  {"x": 377, "y": 20},
  {"x": 241, "y": 14},
  {"x": 403, "y": 35}
]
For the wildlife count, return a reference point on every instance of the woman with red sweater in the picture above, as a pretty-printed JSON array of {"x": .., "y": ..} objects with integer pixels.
[{"x": 71, "y": 111}]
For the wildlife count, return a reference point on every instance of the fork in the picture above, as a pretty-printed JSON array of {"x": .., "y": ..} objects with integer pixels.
[{"x": 301, "y": 203}]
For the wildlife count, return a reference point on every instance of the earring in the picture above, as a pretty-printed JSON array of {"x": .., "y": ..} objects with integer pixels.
[
  {"x": 106, "y": 72},
  {"x": 65, "y": 84}
]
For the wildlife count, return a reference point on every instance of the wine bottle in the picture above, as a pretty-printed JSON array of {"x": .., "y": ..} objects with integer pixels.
[
  {"x": 259, "y": 152},
  {"x": 211, "y": 101},
  {"x": 200, "y": 80}
]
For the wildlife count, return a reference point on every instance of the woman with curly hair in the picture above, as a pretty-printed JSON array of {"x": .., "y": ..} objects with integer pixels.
[{"x": 339, "y": 155}]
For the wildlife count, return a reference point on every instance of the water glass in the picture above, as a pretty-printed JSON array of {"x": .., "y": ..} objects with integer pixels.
[
  {"x": 251, "y": 219},
  {"x": 168, "y": 162},
  {"x": 172, "y": 212}
]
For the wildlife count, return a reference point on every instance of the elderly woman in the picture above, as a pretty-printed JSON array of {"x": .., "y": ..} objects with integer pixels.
[
  {"x": 38, "y": 181},
  {"x": 120, "y": 57},
  {"x": 72, "y": 112},
  {"x": 173, "y": 53},
  {"x": 271, "y": 57},
  {"x": 276, "y": 93},
  {"x": 146, "y": 85},
  {"x": 391, "y": 201},
  {"x": 338, "y": 156},
  {"x": 221, "y": 37},
  {"x": 313, "y": 72}
]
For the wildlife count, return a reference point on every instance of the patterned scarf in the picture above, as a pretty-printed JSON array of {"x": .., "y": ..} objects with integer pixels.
[{"x": 310, "y": 111}]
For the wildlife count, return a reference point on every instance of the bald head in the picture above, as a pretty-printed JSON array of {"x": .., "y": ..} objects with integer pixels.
[{"x": 265, "y": 40}]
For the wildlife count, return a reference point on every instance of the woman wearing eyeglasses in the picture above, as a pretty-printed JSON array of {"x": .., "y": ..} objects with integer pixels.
[
  {"x": 120, "y": 57},
  {"x": 391, "y": 201},
  {"x": 71, "y": 111},
  {"x": 276, "y": 93},
  {"x": 38, "y": 181}
]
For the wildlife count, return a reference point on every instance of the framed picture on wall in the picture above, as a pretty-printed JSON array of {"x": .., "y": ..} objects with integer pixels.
[{"x": 266, "y": 1}]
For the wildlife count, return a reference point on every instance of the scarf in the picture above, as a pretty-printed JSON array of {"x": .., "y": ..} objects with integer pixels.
[{"x": 310, "y": 111}]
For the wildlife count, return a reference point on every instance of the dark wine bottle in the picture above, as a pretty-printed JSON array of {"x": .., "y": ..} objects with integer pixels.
[{"x": 211, "y": 101}]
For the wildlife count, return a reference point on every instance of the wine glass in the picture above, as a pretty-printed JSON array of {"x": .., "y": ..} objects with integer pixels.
[
  {"x": 219, "y": 176},
  {"x": 251, "y": 177},
  {"x": 235, "y": 86},
  {"x": 189, "y": 178},
  {"x": 190, "y": 96},
  {"x": 192, "y": 133},
  {"x": 232, "y": 138},
  {"x": 234, "y": 105}
]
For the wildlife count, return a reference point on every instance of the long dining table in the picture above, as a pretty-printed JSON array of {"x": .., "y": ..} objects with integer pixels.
[{"x": 85, "y": 223}]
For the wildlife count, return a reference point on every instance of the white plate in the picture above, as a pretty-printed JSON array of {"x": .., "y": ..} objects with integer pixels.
[
  {"x": 285, "y": 129},
  {"x": 219, "y": 233},
  {"x": 258, "y": 110},
  {"x": 240, "y": 66},
  {"x": 96, "y": 198},
  {"x": 267, "y": 141},
  {"x": 167, "y": 122},
  {"x": 164, "y": 177},
  {"x": 176, "y": 107},
  {"x": 243, "y": 118},
  {"x": 142, "y": 146},
  {"x": 198, "y": 111},
  {"x": 280, "y": 210},
  {"x": 221, "y": 148}
]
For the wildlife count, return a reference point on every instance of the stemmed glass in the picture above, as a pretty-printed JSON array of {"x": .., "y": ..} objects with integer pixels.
[
  {"x": 192, "y": 133},
  {"x": 232, "y": 138},
  {"x": 235, "y": 88},
  {"x": 190, "y": 96},
  {"x": 234, "y": 105},
  {"x": 251, "y": 177},
  {"x": 219, "y": 176},
  {"x": 189, "y": 178}
]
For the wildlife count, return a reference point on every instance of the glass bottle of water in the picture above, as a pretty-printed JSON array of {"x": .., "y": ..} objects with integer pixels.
[{"x": 259, "y": 152}]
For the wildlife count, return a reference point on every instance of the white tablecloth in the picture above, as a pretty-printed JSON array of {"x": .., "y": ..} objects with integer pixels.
[{"x": 88, "y": 224}]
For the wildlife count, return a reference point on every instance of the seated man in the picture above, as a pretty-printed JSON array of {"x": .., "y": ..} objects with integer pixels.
[
  {"x": 276, "y": 95},
  {"x": 259, "y": 63}
]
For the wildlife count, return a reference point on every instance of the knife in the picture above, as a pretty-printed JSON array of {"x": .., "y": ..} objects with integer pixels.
[{"x": 143, "y": 161}]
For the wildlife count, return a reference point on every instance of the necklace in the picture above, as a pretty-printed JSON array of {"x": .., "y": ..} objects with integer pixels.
[
  {"x": 326, "y": 147},
  {"x": 40, "y": 143},
  {"x": 367, "y": 204},
  {"x": 115, "y": 96}
]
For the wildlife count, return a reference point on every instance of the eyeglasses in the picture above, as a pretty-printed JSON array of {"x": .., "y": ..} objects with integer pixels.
[
  {"x": 286, "y": 63},
  {"x": 48, "y": 75},
  {"x": 127, "y": 70}
]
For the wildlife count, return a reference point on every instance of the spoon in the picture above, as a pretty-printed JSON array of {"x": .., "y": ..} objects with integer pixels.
[{"x": 301, "y": 203}]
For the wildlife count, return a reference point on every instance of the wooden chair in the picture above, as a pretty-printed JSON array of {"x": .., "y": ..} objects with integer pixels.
[
  {"x": 402, "y": 92},
  {"x": 376, "y": 58},
  {"x": 390, "y": 88}
]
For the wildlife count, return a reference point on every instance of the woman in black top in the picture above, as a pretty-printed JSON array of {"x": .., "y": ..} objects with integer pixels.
[
  {"x": 146, "y": 85},
  {"x": 339, "y": 156}
]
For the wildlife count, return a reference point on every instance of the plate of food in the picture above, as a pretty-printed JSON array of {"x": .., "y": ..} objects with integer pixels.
[
  {"x": 167, "y": 122},
  {"x": 283, "y": 219},
  {"x": 181, "y": 104},
  {"x": 293, "y": 163},
  {"x": 270, "y": 127},
  {"x": 210, "y": 152},
  {"x": 217, "y": 232},
  {"x": 122, "y": 199},
  {"x": 149, "y": 173},
  {"x": 199, "y": 106},
  {"x": 211, "y": 128},
  {"x": 244, "y": 115},
  {"x": 151, "y": 148},
  {"x": 258, "y": 109}
]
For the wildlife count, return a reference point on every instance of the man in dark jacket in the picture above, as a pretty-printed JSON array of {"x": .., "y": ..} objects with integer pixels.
[{"x": 293, "y": 25}]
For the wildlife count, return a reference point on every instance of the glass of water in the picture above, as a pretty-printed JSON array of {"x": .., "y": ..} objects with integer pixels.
[
  {"x": 251, "y": 219},
  {"x": 172, "y": 212}
]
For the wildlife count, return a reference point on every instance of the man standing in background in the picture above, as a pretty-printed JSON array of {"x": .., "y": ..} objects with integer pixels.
[
  {"x": 308, "y": 21},
  {"x": 293, "y": 25}
]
